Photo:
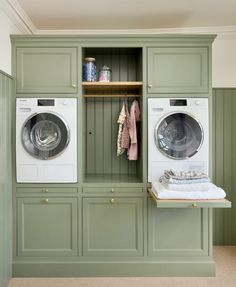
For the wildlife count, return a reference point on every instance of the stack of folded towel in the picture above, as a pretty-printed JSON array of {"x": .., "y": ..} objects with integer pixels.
[{"x": 186, "y": 185}]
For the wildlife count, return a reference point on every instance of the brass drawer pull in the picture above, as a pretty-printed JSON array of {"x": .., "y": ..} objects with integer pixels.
[
  {"x": 112, "y": 200},
  {"x": 112, "y": 190},
  {"x": 45, "y": 190},
  {"x": 46, "y": 200},
  {"x": 194, "y": 205}
]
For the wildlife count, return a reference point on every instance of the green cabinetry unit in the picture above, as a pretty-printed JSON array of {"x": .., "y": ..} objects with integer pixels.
[
  {"x": 46, "y": 70},
  {"x": 178, "y": 70},
  {"x": 107, "y": 224},
  {"x": 47, "y": 226},
  {"x": 113, "y": 226}
]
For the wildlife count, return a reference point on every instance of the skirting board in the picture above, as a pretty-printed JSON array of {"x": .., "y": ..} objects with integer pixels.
[{"x": 115, "y": 269}]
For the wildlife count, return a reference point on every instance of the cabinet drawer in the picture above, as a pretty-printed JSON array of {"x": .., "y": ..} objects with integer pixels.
[
  {"x": 112, "y": 226},
  {"x": 112, "y": 189},
  {"x": 178, "y": 70},
  {"x": 47, "y": 226},
  {"x": 174, "y": 232},
  {"x": 46, "y": 189},
  {"x": 46, "y": 70}
]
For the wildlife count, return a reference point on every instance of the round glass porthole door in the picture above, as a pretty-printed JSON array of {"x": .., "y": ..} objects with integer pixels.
[
  {"x": 179, "y": 136},
  {"x": 45, "y": 135}
]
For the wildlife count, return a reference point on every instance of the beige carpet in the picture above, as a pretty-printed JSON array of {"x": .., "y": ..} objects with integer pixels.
[{"x": 225, "y": 258}]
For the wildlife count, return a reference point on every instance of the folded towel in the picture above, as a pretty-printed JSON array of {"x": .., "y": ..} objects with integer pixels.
[
  {"x": 202, "y": 186},
  {"x": 183, "y": 181},
  {"x": 183, "y": 175},
  {"x": 163, "y": 193}
]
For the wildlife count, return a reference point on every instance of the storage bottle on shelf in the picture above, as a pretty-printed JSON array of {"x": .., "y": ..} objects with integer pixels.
[
  {"x": 104, "y": 74},
  {"x": 89, "y": 70}
]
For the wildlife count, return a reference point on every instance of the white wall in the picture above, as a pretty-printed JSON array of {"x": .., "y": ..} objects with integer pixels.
[
  {"x": 224, "y": 62},
  {"x": 7, "y": 27}
]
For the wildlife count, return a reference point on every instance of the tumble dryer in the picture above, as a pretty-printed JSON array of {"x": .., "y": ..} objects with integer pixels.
[
  {"x": 46, "y": 140},
  {"x": 178, "y": 135}
]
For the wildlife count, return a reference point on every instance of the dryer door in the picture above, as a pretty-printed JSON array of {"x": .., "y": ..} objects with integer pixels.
[
  {"x": 179, "y": 135},
  {"x": 45, "y": 135}
]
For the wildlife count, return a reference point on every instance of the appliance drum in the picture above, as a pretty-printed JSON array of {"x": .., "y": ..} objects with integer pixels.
[
  {"x": 179, "y": 135},
  {"x": 45, "y": 135}
]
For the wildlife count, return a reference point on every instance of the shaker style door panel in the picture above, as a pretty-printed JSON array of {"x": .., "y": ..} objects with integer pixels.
[
  {"x": 178, "y": 70},
  {"x": 113, "y": 226},
  {"x": 46, "y": 70},
  {"x": 177, "y": 231},
  {"x": 47, "y": 226}
]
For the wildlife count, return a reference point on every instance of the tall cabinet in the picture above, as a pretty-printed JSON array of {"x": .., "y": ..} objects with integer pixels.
[{"x": 107, "y": 224}]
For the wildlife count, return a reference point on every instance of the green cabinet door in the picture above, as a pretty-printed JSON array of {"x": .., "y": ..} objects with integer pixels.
[
  {"x": 47, "y": 226},
  {"x": 177, "y": 231},
  {"x": 46, "y": 70},
  {"x": 178, "y": 70},
  {"x": 112, "y": 226}
]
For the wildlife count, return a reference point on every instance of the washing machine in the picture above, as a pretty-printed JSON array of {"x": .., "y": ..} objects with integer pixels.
[
  {"x": 178, "y": 135},
  {"x": 46, "y": 140}
]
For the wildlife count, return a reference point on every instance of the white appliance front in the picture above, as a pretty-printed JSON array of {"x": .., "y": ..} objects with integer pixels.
[
  {"x": 178, "y": 135},
  {"x": 46, "y": 140}
]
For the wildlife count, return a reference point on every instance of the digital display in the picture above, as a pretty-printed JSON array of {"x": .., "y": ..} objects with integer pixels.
[
  {"x": 178, "y": 102},
  {"x": 46, "y": 102}
]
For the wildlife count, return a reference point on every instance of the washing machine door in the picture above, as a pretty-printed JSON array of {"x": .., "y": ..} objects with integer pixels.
[
  {"x": 45, "y": 135},
  {"x": 179, "y": 135}
]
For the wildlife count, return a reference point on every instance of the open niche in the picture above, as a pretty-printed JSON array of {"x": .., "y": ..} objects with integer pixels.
[{"x": 102, "y": 106}]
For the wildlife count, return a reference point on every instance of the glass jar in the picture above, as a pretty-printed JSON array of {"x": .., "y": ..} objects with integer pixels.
[
  {"x": 89, "y": 70},
  {"x": 105, "y": 74}
]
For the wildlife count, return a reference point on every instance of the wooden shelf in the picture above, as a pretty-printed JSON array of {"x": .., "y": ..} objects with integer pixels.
[
  {"x": 187, "y": 203},
  {"x": 112, "y": 89}
]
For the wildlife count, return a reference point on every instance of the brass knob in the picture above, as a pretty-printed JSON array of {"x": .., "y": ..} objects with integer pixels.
[
  {"x": 150, "y": 86},
  {"x": 194, "y": 205},
  {"x": 112, "y": 200},
  {"x": 45, "y": 200},
  {"x": 112, "y": 190},
  {"x": 73, "y": 85},
  {"x": 45, "y": 190}
]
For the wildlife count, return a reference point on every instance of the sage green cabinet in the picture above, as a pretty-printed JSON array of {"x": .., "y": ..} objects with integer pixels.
[
  {"x": 47, "y": 226},
  {"x": 46, "y": 70},
  {"x": 113, "y": 226},
  {"x": 178, "y": 70},
  {"x": 177, "y": 231}
]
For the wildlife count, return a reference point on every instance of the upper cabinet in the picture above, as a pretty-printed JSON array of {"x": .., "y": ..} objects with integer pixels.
[
  {"x": 46, "y": 70},
  {"x": 178, "y": 70}
]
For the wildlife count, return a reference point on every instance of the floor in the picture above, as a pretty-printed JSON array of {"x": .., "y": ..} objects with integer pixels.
[{"x": 225, "y": 257}]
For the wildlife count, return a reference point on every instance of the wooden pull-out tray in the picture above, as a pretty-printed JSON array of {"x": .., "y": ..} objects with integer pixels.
[{"x": 187, "y": 203}]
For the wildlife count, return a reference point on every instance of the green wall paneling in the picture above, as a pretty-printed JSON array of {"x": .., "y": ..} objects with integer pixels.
[
  {"x": 101, "y": 143},
  {"x": 5, "y": 180},
  {"x": 224, "y": 164}
]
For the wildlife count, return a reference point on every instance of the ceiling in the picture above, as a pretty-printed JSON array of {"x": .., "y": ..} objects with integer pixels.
[{"x": 128, "y": 14}]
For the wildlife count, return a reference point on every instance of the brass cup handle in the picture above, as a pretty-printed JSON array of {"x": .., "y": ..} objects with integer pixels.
[
  {"x": 194, "y": 205},
  {"x": 112, "y": 200},
  {"x": 46, "y": 200},
  {"x": 45, "y": 190},
  {"x": 112, "y": 190}
]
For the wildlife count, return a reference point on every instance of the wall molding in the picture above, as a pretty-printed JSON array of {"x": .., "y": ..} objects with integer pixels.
[{"x": 18, "y": 16}]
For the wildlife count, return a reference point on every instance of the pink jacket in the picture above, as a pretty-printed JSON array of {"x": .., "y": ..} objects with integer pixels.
[{"x": 134, "y": 117}]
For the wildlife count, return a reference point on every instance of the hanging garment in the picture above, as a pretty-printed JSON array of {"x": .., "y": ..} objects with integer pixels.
[
  {"x": 134, "y": 118},
  {"x": 120, "y": 121},
  {"x": 125, "y": 138}
]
